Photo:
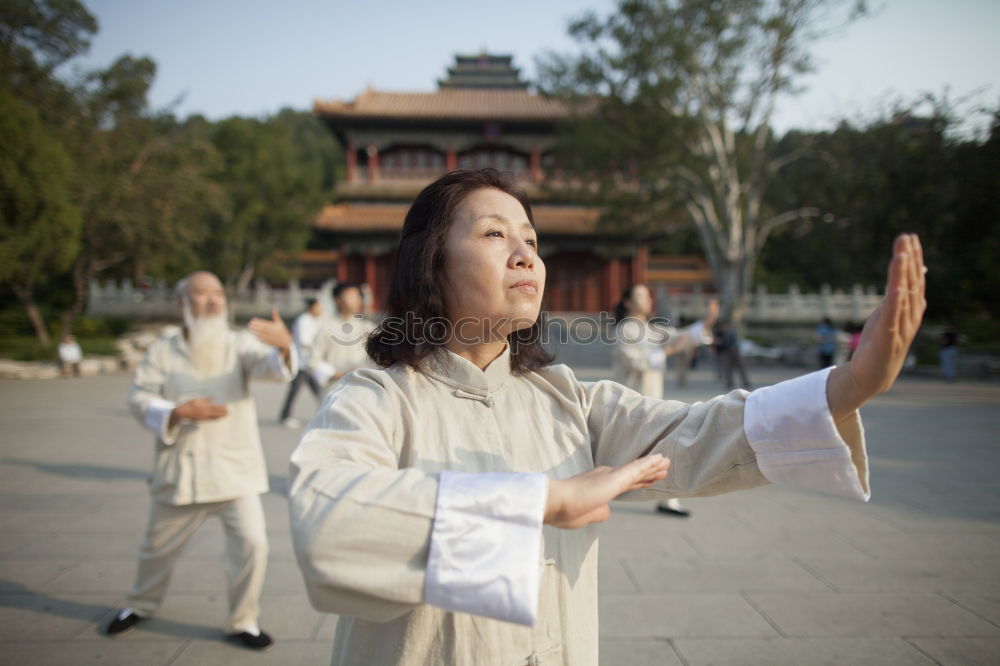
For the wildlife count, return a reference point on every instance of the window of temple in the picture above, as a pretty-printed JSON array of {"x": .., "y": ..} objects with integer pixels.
[
  {"x": 501, "y": 158},
  {"x": 411, "y": 162}
]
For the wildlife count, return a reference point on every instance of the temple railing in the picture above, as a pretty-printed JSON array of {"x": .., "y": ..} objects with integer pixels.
[{"x": 157, "y": 301}]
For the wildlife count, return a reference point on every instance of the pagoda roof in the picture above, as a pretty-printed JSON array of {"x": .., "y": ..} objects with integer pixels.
[
  {"x": 483, "y": 71},
  {"x": 358, "y": 217},
  {"x": 483, "y": 104}
]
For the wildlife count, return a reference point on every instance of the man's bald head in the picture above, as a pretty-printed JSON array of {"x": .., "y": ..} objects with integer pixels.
[{"x": 203, "y": 293}]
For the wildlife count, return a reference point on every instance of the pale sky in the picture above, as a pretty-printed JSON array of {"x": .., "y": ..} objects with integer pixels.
[{"x": 253, "y": 57}]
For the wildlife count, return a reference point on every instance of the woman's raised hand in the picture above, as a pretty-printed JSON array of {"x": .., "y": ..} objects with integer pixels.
[
  {"x": 583, "y": 499},
  {"x": 887, "y": 334}
]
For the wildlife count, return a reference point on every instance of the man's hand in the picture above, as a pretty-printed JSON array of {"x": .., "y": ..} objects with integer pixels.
[
  {"x": 272, "y": 332},
  {"x": 583, "y": 499},
  {"x": 887, "y": 334},
  {"x": 199, "y": 409}
]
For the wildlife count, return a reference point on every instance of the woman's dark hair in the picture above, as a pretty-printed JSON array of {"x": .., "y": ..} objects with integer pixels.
[
  {"x": 415, "y": 308},
  {"x": 621, "y": 310}
]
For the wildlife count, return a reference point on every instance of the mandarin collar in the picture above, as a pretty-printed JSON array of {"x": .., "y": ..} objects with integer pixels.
[{"x": 450, "y": 368}]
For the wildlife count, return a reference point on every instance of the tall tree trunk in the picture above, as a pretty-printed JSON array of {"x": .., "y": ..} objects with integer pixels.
[
  {"x": 727, "y": 284},
  {"x": 243, "y": 281},
  {"x": 25, "y": 294},
  {"x": 82, "y": 275},
  {"x": 733, "y": 280}
]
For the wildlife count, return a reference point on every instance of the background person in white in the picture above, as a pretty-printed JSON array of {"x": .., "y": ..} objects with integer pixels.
[
  {"x": 70, "y": 356},
  {"x": 641, "y": 351},
  {"x": 305, "y": 330},
  {"x": 192, "y": 391},
  {"x": 443, "y": 505},
  {"x": 340, "y": 346}
]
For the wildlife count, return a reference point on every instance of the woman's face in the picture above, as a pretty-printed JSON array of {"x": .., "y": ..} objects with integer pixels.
[
  {"x": 641, "y": 301},
  {"x": 493, "y": 274}
]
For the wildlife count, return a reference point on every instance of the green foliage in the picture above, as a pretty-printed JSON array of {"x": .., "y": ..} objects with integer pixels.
[
  {"x": 96, "y": 184},
  {"x": 14, "y": 323},
  {"x": 39, "y": 225},
  {"x": 901, "y": 174},
  {"x": 273, "y": 183},
  {"x": 26, "y": 349},
  {"x": 36, "y": 36},
  {"x": 23, "y": 348},
  {"x": 101, "y": 327},
  {"x": 674, "y": 103},
  {"x": 143, "y": 178}
]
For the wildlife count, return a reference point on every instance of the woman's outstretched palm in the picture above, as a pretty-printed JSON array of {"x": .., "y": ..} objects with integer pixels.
[
  {"x": 583, "y": 499},
  {"x": 887, "y": 335}
]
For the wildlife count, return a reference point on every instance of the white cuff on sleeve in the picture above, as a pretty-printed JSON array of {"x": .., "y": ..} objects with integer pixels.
[
  {"x": 322, "y": 372},
  {"x": 158, "y": 418},
  {"x": 699, "y": 334},
  {"x": 797, "y": 444},
  {"x": 278, "y": 366},
  {"x": 486, "y": 545}
]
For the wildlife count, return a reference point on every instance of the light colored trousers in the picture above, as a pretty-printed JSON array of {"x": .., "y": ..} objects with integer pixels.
[{"x": 171, "y": 527}]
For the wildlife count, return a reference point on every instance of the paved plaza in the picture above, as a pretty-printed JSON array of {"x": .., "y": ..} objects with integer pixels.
[{"x": 769, "y": 576}]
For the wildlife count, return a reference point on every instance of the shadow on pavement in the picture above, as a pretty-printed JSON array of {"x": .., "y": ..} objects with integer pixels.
[
  {"x": 18, "y": 596},
  {"x": 78, "y": 471}
]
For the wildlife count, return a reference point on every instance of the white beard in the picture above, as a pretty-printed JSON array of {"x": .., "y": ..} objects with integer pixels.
[{"x": 207, "y": 338}]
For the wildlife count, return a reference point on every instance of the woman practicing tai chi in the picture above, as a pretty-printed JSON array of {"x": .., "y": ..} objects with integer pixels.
[
  {"x": 642, "y": 348},
  {"x": 444, "y": 506}
]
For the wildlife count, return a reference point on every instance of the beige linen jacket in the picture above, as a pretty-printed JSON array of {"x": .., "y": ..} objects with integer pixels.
[
  {"x": 639, "y": 358},
  {"x": 364, "y": 481},
  {"x": 340, "y": 347},
  {"x": 205, "y": 461},
  {"x": 640, "y": 361}
]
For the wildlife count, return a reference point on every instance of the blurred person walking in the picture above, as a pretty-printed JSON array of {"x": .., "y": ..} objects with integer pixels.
[
  {"x": 948, "y": 352},
  {"x": 305, "y": 330},
  {"x": 826, "y": 338},
  {"x": 727, "y": 346}
]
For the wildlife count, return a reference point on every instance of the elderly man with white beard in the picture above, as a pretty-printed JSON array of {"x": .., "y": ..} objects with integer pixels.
[{"x": 192, "y": 392}]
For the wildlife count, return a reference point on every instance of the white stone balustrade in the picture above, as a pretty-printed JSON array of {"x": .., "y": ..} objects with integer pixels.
[{"x": 794, "y": 307}]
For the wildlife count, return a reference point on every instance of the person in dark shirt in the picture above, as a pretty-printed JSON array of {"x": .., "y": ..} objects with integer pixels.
[
  {"x": 727, "y": 346},
  {"x": 949, "y": 353}
]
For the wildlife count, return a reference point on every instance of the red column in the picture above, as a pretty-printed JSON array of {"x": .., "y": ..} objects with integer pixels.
[
  {"x": 352, "y": 162},
  {"x": 451, "y": 160},
  {"x": 342, "y": 267},
  {"x": 372, "y": 164},
  {"x": 370, "y": 276},
  {"x": 536, "y": 164},
  {"x": 639, "y": 263},
  {"x": 614, "y": 283}
]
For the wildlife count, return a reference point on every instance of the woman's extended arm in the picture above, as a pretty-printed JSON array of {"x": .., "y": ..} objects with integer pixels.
[
  {"x": 375, "y": 540},
  {"x": 887, "y": 334}
]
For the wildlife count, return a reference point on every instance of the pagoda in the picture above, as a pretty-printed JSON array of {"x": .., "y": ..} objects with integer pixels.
[{"x": 482, "y": 115}]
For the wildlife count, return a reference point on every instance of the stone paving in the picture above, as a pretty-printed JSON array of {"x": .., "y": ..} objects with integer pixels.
[{"x": 769, "y": 576}]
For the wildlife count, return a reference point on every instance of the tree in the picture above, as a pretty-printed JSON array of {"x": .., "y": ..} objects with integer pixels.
[
  {"x": 39, "y": 225},
  {"x": 908, "y": 171},
  {"x": 271, "y": 190},
  {"x": 679, "y": 97},
  {"x": 36, "y": 36},
  {"x": 144, "y": 181}
]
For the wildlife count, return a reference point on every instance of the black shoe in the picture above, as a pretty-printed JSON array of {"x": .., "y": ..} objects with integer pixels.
[
  {"x": 673, "y": 509},
  {"x": 259, "y": 642},
  {"x": 121, "y": 624}
]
